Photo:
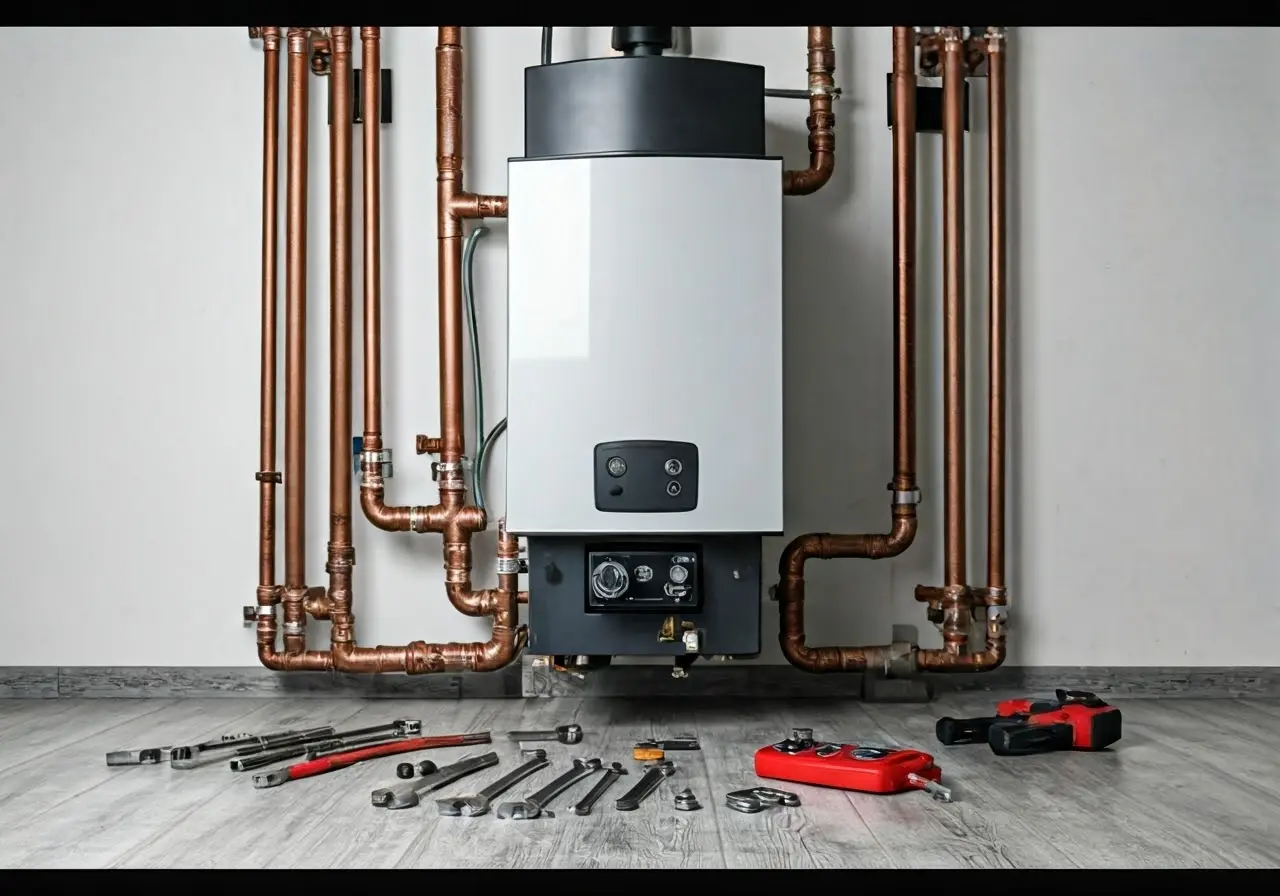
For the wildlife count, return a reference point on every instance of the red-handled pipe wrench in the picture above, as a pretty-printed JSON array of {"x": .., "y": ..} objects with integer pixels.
[
  {"x": 335, "y": 761},
  {"x": 861, "y": 767},
  {"x": 1075, "y": 720}
]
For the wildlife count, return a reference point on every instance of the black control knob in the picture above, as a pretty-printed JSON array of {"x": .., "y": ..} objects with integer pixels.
[
  {"x": 609, "y": 579},
  {"x": 642, "y": 40}
]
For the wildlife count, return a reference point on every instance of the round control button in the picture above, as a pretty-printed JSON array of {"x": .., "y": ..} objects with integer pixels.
[
  {"x": 678, "y": 574},
  {"x": 609, "y": 579},
  {"x": 643, "y": 573},
  {"x": 617, "y": 467},
  {"x": 673, "y": 467},
  {"x": 673, "y": 488}
]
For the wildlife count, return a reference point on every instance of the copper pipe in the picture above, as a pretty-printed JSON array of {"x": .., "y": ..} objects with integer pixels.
[
  {"x": 821, "y": 121},
  {"x": 296, "y": 657},
  {"x": 295, "y": 400},
  {"x": 790, "y": 592},
  {"x": 953, "y": 292}
]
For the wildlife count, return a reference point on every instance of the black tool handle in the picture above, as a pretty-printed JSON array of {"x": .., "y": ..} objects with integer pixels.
[
  {"x": 963, "y": 731},
  {"x": 1021, "y": 739}
]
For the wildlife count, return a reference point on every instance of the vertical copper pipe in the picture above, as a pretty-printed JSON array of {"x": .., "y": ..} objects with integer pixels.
[
  {"x": 449, "y": 156},
  {"x": 996, "y": 360},
  {"x": 953, "y": 273},
  {"x": 904, "y": 258},
  {"x": 371, "y": 86},
  {"x": 821, "y": 121},
  {"x": 267, "y": 474},
  {"x": 295, "y": 399}
]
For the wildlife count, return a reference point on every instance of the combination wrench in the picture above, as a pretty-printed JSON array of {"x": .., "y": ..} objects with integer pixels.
[
  {"x": 408, "y": 793},
  {"x": 566, "y": 734},
  {"x": 632, "y": 799},
  {"x": 478, "y": 804},
  {"x": 611, "y": 774},
  {"x": 535, "y": 805}
]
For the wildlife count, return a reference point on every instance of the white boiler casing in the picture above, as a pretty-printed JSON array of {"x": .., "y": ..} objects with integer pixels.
[{"x": 645, "y": 307}]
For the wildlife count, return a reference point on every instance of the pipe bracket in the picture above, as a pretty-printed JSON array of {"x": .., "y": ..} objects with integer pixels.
[
  {"x": 508, "y": 566},
  {"x": 268, "y": 476}
]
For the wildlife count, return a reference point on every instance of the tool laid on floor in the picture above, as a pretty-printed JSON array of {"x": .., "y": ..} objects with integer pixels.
[
  {"x": 1075, "y": 720},
  {"x": 565, "y": 734},
  {"x": 405, "y": 770},
  {"x": 861, "y": 767},
  {"x": 656, "y": 749},
  {"x": 686, "y": 801},
  {"x": 535, "y": 805},
  {"x": 201, "y": 754},
  {"x": 335, "y": 761},
  {"x": 611, "y": 774},
  {"x": 653, "y": 776},
  {"x": 478, "y": 804},
  {"x": 757, "y": 799},
  {"x": 409, "y": 794},
  {"x": 338, "y": 743},
  {"x": 156, "y": 755}
]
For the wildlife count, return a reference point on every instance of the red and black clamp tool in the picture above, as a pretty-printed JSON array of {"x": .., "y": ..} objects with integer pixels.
[
  {"x": 862, "y": 767},
  {"x": 1075, "y": 720}
]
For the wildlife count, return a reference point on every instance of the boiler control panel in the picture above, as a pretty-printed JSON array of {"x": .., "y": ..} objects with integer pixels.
[
  {"x": 634, "y": 581},
  {"x": 645, "y": 476}
]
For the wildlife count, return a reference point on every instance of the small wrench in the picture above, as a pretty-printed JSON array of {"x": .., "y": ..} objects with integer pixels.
[
  {"x": 156, "y": 755},
  {"x": 933, "y": 788},
  {"x": 471, "y": 806},
  {"x": 406, "y": 794},
  {"x": 611, "y": 774},
  {"x": 533, "y": 806},
  {"x": 566, "y": 734},
  {"x": 631, "y": 800},
  {"x": 755, "y": 799}
]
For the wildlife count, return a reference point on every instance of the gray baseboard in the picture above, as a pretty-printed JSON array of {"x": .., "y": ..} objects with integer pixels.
[{"x": 524, "y": 679}]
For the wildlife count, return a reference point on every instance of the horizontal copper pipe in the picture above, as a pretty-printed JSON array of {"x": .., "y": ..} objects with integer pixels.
[
  {"x": 790, "y": 593},
  {"x": 821, "y": 121}
]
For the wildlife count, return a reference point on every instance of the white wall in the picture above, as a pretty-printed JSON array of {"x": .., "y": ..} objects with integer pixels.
[{"x": 1143, "y": 504}]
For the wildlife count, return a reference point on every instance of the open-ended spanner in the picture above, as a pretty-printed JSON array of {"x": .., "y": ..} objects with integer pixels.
[
  {"x": 478, "y": 804},
  {"x": 756, "y": 799},
  {"x": 566, "y": 734},
  {"x": 632, "y": 799},
  {"x": 533, "y": 806},
  {"x": 156, "y": 755},
  {"x": 611, "y": 774},
  {"x": 192, "y": 757},
  {"x": 408, "y": 793}
]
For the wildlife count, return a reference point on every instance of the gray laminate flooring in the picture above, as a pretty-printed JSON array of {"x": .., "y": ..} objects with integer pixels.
[{"x": 1193, "y": 783}]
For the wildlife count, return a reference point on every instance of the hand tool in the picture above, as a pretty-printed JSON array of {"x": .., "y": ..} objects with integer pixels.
[
  {"x": 686, "y": 801},
  {"x": 655, "y": 750},
  {"x": 336, "y": 761},
  {"x": 408, "y": 795},
  {"x": 631, "y": 800},
  {"x": 310, "y": 750},
  {"x": 756, "y": 799},
  {"x": 1076, "y": 720},
  {"x": 566, "y": 734},
  {"x": 938, "y": 791},
  {"x": 156, "y": 755},
  {"x": 611, "y": 774},
  {"x": 533, "y": 806},
  {"x": 478, "y": 804},
  {"x": 862, "y": 767},
  {"x": 404, "y": 770},
  {"x": 191, "y": 757}
]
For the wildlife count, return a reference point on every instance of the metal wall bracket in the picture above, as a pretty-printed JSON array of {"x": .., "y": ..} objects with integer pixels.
[
  {"x": 928, "y": 106},
  {"x": 385, "y": 97}
]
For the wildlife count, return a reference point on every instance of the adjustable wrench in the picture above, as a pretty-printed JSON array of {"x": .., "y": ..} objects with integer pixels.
[
  {"x": 611, "y": 774},
  {"x": 566, "y": 734},
  {"x": 632, "y": 799},
  {"x": 408, "y": 793},
  {"x": 156, "y": 755},
  {"x": 535, "y": 805},
  {"x": 471, "y": 806}
]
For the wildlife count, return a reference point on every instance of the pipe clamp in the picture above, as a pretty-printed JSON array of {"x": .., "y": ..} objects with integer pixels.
[
  {"x": 905, "y": 497},
  {"x": 294, "y": 628},
  {"x": 376, "y": 462},
  {"x": 508, "y": 566}
]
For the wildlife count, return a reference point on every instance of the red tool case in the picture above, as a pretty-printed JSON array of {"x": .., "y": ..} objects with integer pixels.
[{"x": 865, "y": 768}]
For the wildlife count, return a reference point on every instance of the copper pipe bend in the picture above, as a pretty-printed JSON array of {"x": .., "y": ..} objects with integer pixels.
[{"x": 821, "y": 121}]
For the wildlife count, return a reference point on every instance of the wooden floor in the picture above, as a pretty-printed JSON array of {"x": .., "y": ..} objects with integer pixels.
[{"x": 1194, "y": 783}]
